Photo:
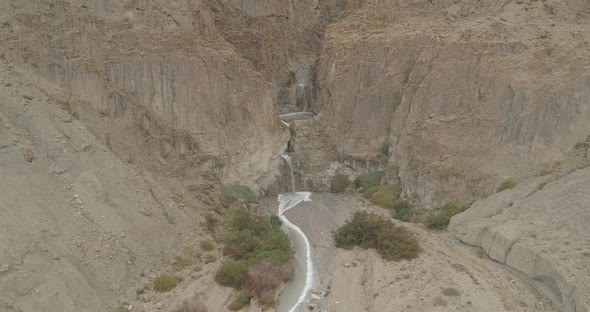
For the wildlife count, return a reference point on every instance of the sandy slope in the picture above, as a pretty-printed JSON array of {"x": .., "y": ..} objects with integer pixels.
[{"x": 80, "y": 228}]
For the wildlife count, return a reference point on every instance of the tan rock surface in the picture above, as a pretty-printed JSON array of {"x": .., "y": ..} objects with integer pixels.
[
  {"x": 466, "y": 93},
  {"x": 162, "y": 67},
  {"x": 540, "y": 228}
]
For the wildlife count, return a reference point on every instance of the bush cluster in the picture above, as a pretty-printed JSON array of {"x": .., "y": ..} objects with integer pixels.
[
  {"x": 339, "y": 183},
  {"x": 235, "y": 192},
  {"x": 385, "y": 196},
  {"x": 367, "y": 230},
  {"x": 368, "y": 180},
  {"x": 402, "y": 211},
  {"x": 258, "y": 254},
  {"x": 370, "y": 191}
]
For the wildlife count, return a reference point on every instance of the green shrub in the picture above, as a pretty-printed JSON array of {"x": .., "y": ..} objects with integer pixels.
[
  {"x": 165, "y": 282},
  {"x": 438, "y": 220},
  {"x": 453, "y": 208},
  {"x": 275, "y": 220},
  {"x": 252, "y": 239},
  {"x": 386, "y": 197},
  {"x": 232, "y": 273},
  {"x": 366, "y": 181},
  {"x": 451, "y": 292},
  {"x": 402, "y": 211},
  {"x": 207, "y": 245},
  {"x": 507, "y": 184},
  {"x": 339, "y": 183},
  {"x": 235, "y": 192},
  {"x": 259, "y": 252},
  {"x": 393, "y": 243},
  {"x": 370, "y": 191}
]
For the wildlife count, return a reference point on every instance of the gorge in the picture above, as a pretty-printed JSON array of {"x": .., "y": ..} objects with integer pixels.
[{"x": 123, "y": 123}]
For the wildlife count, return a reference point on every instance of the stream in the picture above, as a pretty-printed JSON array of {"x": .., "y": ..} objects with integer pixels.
[{"x": 297, "y": 290}]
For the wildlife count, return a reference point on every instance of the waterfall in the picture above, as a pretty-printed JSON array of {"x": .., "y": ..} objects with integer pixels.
[{"x": 287, "y": 158}]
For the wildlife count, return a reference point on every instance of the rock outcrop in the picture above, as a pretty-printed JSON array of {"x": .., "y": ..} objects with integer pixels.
[{"x": 540, "y": 229}]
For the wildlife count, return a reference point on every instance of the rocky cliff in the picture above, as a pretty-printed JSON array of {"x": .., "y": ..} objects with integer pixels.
[
  {"x": 160, "y": 66},
  {"x": 465, "y": 93}
]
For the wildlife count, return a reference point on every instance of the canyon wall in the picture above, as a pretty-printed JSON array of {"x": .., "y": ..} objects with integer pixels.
[
  {"x": 465, "y": 93},
  {"x": 161, "y": 66}
]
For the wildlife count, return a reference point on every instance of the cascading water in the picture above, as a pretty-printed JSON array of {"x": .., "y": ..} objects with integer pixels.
[
  {"x": 287, "y": 202},
  {"x": 287, "y": 158}
]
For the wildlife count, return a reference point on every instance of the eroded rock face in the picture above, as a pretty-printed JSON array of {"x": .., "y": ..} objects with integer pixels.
[
  {"x": 282, "y": 40},
  {"x": 159, "y": 65},
  {"x": 465, "y": 94},
  {"x": 539, "y": 229}
]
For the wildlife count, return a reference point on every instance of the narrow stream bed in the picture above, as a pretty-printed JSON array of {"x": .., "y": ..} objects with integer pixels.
[{"x": 297, "y": 290}]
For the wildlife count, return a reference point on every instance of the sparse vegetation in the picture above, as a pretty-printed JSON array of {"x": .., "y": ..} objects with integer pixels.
[
  {"x": 235, "y": 192},
  {"x": 370, "y": 191},
  {"x": 240, "y": 302},
  {"x": 232, "y": 273},
  {"x": 165, "y": 282},
  {"x": 339, "y": 183},
  {"x": 180, "y": 263},
  {"x": 451, "y": 292},
  {"x": 386, "y": 197},
  {"x": 384, "y": 149},
  {"x": 258, "y": 252},
  {"x": 366, "y": 230},
  {"x": 440, "y": 218},
  {"x": 402, "y": 210},
  {"x": 368, "y": 180},
  {"x": 207, "y": 245},
  {"x": 191, "y": 305},
  {"x": 507, "y": 184},
  {"x": 252, "y": 239},
  {"x": 209, "y": 258}
]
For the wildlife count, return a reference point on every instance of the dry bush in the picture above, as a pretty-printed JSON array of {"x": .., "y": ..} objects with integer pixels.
[
  {"x": 265, "y": 278},
  {"x": 191, "y": 305},
  {"x": 165, "y": 282}
]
